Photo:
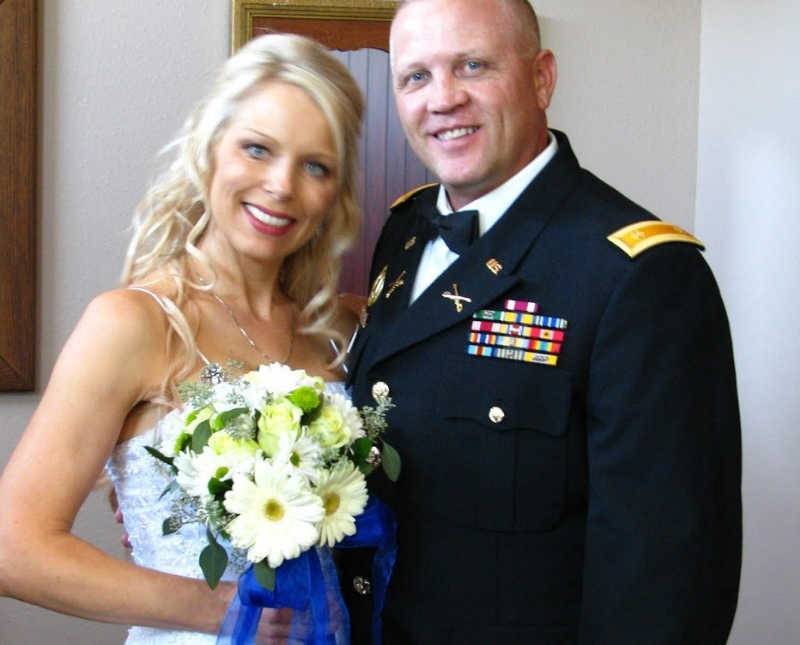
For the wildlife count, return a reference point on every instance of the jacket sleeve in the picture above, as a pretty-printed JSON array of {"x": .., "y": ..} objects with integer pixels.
[{"x": 663, "y": 542}]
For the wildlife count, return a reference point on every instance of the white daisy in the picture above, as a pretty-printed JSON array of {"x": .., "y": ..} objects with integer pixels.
[
  {"x": 168, "y": 429},
  {"x": 343, "y": 491},
  {"x": 277, "y": 514},
  {"x": 221, "y": 460},
  {"x": 279, "y": 379},
  {"x": 195, "y": 471},
  {"x": 226, "y": 396},
  {"x": 303, "y": 453}
]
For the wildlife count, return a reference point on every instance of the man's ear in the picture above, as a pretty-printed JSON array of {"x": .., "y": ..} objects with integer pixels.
[{"x": 545, "y": 74}]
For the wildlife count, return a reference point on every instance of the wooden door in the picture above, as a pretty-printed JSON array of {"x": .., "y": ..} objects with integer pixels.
[{"x": 359, "y": 32}]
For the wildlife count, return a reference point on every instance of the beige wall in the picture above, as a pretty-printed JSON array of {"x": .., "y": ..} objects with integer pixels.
[
  {"x": 748, "y": 211},
  {"x": 117, "y": 77}
]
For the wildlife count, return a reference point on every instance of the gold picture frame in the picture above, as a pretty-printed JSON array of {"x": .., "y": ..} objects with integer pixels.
[
  {"x": 334, "y": 23},
  {"x": 18, "y": 114}
]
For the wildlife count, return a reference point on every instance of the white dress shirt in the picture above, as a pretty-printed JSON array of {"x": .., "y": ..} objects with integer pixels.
[{"x": 437, "y": 256}]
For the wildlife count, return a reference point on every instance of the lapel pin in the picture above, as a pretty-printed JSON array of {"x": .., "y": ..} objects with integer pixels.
[
  {"x": 396, "y": 284},
  {"x": 494, "y": 266},
  {"x": 457, "y": 299},
  {"x": 411, "y": 242}
]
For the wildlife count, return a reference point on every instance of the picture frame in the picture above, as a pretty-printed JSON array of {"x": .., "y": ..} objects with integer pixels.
[
  {"x": 334, "y": 23},
  {"x": 18, "y": 121}
]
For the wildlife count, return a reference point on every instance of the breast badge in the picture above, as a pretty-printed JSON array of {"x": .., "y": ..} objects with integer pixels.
[{"x": 377, "y": 287}]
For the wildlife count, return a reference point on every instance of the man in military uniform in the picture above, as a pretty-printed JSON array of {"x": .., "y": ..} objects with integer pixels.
[{"x": 561, "y": 366}]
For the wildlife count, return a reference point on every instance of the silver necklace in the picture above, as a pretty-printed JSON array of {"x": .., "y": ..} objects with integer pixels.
[{"x": 247, "y": 336}]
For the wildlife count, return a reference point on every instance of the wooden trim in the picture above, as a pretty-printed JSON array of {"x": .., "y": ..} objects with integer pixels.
[
  {"x": 328, "y": 21},
  {"x": 18, "y": 110}
]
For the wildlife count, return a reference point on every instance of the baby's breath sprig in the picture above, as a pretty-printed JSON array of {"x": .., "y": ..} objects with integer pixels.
[
  {"x": 195, "y": 394},
  {"x": 374, "y": 418}
]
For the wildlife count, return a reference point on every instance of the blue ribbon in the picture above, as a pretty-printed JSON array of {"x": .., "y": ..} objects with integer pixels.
[
  {"x": 376, "y": 526},
  {"x": 309, "y": 585}
]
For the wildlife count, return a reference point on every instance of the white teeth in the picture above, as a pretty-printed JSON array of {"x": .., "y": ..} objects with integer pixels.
[
  {"x": 455, "y": 134},
  {"x": 264, "y": 218}
]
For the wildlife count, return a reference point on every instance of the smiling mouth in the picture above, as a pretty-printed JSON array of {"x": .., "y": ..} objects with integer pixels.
[
  {"x": 266, "y": 218},
  {"x": 455, "y": 133}
]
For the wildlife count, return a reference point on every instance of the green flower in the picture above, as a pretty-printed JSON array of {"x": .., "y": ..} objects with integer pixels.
[
  {"x": 280, "y": 417},
  {"x": 222, "y": 444},
  {"x": 306, "y": 398},
  {"x": 330, "y": 428}
]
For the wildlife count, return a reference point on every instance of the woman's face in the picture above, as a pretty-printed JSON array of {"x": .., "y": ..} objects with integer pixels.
[{"x": 275, "y": 174}]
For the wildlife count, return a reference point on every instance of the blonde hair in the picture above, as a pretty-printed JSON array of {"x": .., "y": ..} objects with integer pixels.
[{"x": 174, "y": 212}]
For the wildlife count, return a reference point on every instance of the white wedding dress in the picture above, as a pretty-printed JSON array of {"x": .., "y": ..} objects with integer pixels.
[{"x": 139, "y": 481}]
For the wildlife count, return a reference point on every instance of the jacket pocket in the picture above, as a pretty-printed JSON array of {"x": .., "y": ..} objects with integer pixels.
[{"x": 509, "y": 422}]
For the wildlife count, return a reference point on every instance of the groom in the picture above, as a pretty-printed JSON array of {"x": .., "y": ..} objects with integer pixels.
[{"x": 561, "y": 367}]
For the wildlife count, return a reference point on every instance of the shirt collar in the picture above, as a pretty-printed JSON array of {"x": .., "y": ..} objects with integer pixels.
[{"x": 493, "y": 204}]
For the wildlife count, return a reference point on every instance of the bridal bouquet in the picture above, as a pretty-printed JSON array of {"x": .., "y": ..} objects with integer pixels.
[{"x": 272, "y": 463}]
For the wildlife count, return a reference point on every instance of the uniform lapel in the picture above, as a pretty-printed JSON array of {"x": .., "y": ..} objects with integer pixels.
[
  {"x": 401, "y": 269},
  {"x": 506, "y": 245}
]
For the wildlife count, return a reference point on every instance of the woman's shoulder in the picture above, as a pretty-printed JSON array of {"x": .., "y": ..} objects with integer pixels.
[{"x": 124, "y": 317}]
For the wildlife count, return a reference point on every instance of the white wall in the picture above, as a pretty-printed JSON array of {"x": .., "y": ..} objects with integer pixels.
[
  {"x": 627, "y": 94},
  {"x": 118, "y": 77},
  {"x": 748, "y": 212}
]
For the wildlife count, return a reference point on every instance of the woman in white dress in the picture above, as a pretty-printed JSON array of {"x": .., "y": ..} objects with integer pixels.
[{"x": 236, "y": 256}]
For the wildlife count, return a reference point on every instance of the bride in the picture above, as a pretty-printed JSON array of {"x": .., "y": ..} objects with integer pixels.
[{"x": 235, "y": 257}]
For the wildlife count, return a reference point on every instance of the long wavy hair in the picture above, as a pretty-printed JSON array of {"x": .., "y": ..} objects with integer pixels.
[{"x": 174, "y": 213}]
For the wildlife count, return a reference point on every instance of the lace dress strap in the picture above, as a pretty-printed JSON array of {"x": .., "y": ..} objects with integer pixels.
[{"x": 168, "y": 307}]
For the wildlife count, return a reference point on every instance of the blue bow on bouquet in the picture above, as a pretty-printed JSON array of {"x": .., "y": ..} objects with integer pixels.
[{"x": 309, "y": 585}]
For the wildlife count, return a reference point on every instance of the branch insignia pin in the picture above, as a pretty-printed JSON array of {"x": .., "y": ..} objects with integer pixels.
[{"x": 457, "y": 299}]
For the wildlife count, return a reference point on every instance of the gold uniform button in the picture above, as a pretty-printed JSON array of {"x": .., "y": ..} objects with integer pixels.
[
  {"x": 362, "y": 585},
  {"x": 380, "y": 390},
  {"x": 496, "y": 415}
]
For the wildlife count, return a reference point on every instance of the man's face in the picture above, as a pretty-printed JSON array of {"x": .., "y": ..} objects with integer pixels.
[{"x": 470, "y": 91}]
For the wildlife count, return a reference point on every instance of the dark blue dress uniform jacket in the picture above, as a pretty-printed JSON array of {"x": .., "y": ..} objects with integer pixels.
[{"x": 605, "y": 506}]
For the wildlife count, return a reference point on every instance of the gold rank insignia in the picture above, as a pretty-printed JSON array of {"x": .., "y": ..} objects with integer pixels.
[
  {"x": 639, "y": 237},
  {"x": 494, "y": 266},
  {"x": 410, "y": 194},
  {"x": 377, "y": 287}
]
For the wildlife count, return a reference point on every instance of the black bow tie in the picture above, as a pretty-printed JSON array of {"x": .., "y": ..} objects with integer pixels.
[{"x": 458, "y": 230}]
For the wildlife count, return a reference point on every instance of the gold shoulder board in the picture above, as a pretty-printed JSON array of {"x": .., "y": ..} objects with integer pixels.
[
  {"x": 410, "y": 194},
  {"x": 637, "y": 238}
]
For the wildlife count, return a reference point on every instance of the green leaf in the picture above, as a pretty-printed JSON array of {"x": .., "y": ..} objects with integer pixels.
[
  {"x": 213, "y": 560},
  {"x": 173, "y": 485},
  {"x": 184, "y": 439},
  {"x": 201, "y": 435},
  {"x": 265, "y": 575},
  {"x": 171, "y": 525},
  {"x": 159, "y": 455},
  {"x": 365, "y": 469},
  {"x": 193, "y": 415},
  {"x": 361, "y": 448},
  {"x": 390, "y": 459},
  {"x": 223, "y": 418},
  {"x": 218, "y": 488}
]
